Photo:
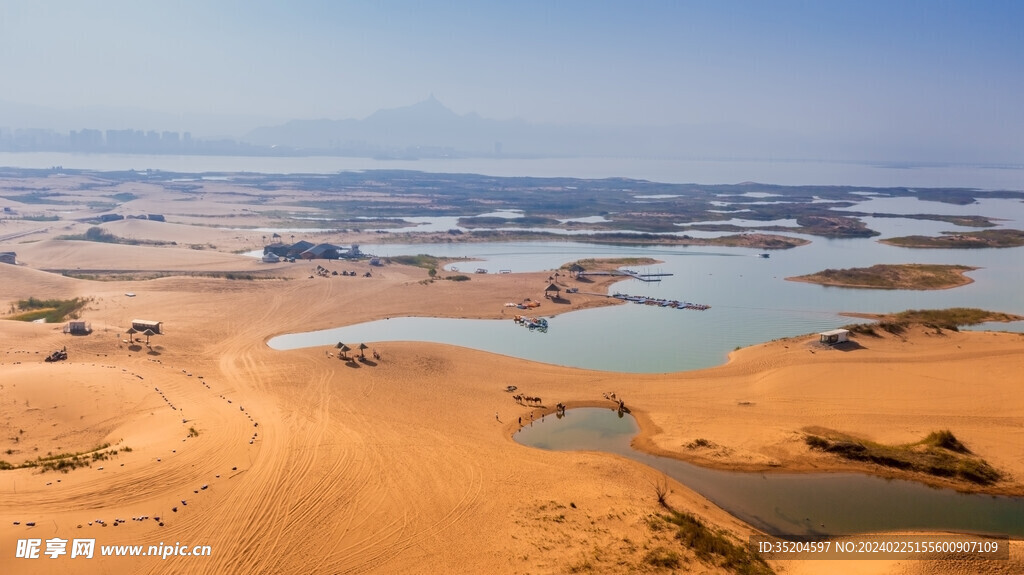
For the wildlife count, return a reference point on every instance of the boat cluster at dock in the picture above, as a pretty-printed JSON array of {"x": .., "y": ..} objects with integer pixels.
[
  {"x": 532, "y": 322},
  {"x": 661, "y": 302}
]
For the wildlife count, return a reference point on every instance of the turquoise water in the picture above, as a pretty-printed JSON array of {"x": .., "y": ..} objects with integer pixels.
[
  {"x": 751, "y": 302},
  {"x": 797, "y": 505},
  {"x": 601, "y": 339}
]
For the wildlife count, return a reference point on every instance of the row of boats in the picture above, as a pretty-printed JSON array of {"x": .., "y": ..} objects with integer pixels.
[
  {"x": 532, "y": 322},
  {"x": 661, "y": 302}
]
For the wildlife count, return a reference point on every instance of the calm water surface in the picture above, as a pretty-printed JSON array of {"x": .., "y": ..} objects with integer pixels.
[
  {"x": 750, "y": 298},
  {"x": 792, "y": 504}
]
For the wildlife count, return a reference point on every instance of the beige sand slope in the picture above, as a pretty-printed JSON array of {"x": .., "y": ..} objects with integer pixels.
[
  {"x": 315, "y": 466},
  {"x": 82, "y": 255}
]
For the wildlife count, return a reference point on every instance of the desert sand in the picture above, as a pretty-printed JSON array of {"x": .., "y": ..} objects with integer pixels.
[{"x": 296, "y": 462}]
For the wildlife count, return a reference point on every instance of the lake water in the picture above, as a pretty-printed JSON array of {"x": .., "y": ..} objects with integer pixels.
[
  {"x": 793, "y": 505},
  {"x": 751, "y": 301}
]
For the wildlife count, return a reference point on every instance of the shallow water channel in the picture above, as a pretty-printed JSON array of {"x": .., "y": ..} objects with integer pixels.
[{"x": 786, "y": 504}]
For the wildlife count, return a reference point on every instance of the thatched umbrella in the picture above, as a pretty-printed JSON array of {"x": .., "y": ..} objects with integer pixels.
[
  {"x": 148, "y": 333},
  {"x": 344, "y": 351},
  {"x": 131, "y": 333},
  {"x": 362, "y": 350}
]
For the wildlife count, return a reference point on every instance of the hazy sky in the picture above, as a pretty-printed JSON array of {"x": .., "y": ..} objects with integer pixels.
[{"x": 930, "y": 72}]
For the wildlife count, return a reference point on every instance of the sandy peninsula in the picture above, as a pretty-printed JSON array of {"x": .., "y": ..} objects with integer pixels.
[{"x": 298, "y": 462}]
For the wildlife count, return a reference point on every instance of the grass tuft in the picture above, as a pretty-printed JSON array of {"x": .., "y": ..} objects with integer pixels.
[
  {"x": 939, "y": 454},
  {"x": 663, "y": 557},
  {"x": 715, "y": 547}
]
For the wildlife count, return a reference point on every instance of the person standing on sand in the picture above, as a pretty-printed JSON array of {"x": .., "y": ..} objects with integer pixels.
[{"x": 496, "y": 418}]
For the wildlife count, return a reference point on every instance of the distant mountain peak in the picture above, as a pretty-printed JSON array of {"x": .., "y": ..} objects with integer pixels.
[{"x": 430, "y": 111}]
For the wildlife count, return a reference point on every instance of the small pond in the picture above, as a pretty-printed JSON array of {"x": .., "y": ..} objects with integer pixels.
[{"x": 788, "y": 504}]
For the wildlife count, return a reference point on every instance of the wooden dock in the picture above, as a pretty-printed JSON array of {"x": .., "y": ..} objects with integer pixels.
[
  {"x": 627, "y": 273},
  {"x": 660, "y": 302}
]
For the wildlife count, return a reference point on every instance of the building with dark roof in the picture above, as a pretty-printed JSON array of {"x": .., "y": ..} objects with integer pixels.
[{"x": 322, "y": 252}]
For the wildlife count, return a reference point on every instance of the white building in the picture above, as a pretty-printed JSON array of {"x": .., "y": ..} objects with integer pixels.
[{"x": 834, "y": 336}]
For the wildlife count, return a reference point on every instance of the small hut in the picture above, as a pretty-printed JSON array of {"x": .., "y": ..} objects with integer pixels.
[
  {"x": 552, "y": 291},
  {"x": 834, "y": 336},
  {"x": 142, "y": 325},
  {"x": 78, "y": 328}
]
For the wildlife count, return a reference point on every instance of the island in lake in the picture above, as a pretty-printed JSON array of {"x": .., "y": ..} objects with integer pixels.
[
  {"x": 960, "y": 240},
  {"x": 892, "y": 276}
]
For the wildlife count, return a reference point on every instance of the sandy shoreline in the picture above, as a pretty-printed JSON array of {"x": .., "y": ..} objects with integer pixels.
[
  {"x": 658, "y": 433},
  {"x": 399, "y": 465}
]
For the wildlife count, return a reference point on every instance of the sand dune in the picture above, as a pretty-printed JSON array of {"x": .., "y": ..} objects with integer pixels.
[
  {"x": 314, "y": 466},
  {"x": 83, "y": 255},
  {"x": 163, "y": 231}
]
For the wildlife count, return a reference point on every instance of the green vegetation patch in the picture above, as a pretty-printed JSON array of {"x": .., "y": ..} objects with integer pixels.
[
  {"x": 65, "y": 462},
  {"x": 124, "y": 196},
  {"x": 421, "y": 261},
  {"x": 593, "y": 264},
  {"x": 711, "y": 546},
  {"x": 50, "y": 310},
  {"x": 892, "y": 276},
  {"x": 939, "y": 454},
  {"x": 951, "y": 318},
  {"x": 98, "y": 234}
]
